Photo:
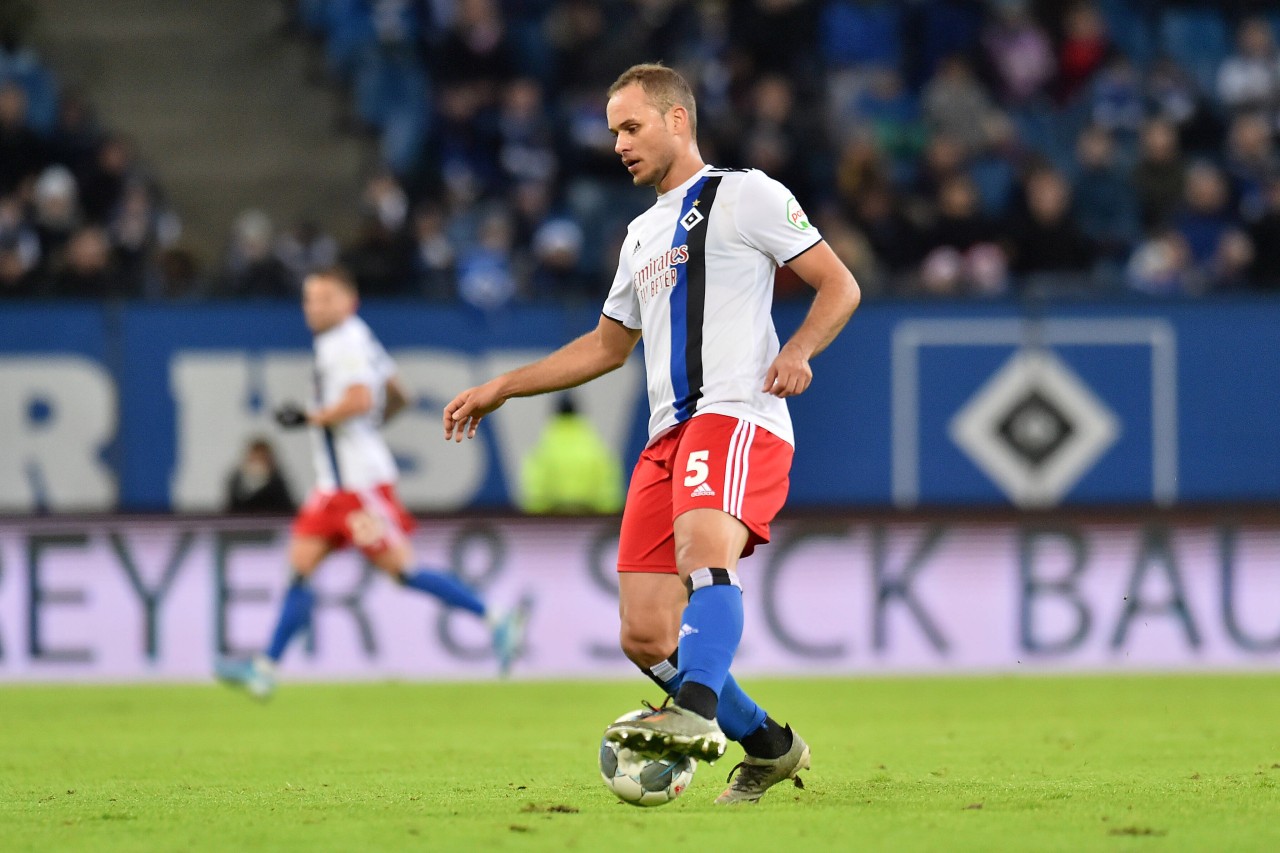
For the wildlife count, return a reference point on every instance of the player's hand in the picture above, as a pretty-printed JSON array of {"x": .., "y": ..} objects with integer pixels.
[
  {"x": 463, "y": 414},
  {"x": 291, "y": 416},
  {"x": 789, "y": 374}
]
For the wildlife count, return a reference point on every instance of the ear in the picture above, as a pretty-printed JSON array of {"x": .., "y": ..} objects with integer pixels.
[{"x": 679, "y": 118}]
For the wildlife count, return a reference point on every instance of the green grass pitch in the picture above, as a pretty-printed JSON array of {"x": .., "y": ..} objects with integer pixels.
[{"x": 1034, "y": 763}]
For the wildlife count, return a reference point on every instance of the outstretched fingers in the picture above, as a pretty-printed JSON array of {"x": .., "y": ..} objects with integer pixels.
[{"x": 457, "y": 417}]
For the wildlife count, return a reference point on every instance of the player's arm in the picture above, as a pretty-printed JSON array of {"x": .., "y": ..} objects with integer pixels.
[
  {"x": 837, "y": 297},
  {"x": 397, "y": 399},
  {"x": 357, "y": 399},
  {"x": 599, "y": 351}
]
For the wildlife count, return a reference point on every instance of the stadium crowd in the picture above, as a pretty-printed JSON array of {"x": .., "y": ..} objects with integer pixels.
[{"x": 943, "y": 147}]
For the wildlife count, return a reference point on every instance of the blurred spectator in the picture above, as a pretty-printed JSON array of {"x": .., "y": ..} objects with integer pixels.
[
  {"x": 139, "y": 229},
  {"x": 20, "y": 253},
  {"x": 87, "y": 272},
  {"x": 21, "y": 154},
  {"x": 1117, "y": 101},
  {"x": 76, "y": 134},
  {"x": 253, "y": 270},
  {"x": 1162, "y": 266},
  {"x": 57, "y": 212},
  {"x": 256, "y": 485},
  {"x": 1251, "y": 164},
  {"x": 305, "y": 248},
  {"x": 891, "y": 236},
  {"x": 892, "y": 111},
  {"x": 103, "y": 180},
  {"x": 1249, "y": 79},
  {"x": 1085, "y": 47},
  {"x": 943, "y": 159},
  {"x": 525, "y": 137},
  {"x": 1176, "y": 98},
  {"x": 1159, "y": 174},
  {"x": 1019, "y": 52},
  {"x": 1232, "y": 262},
  {"x": 956, "y": 105},
  {"x": 486, "y": 280},
  {"x": 434, "y": 256},
  {"x": 1046, "y": 239},
  {"x": 571, "y": 470},
  {"x": 176, "y": 276},
  {"x": 959, "y": 222},
  {"x": 1105, "y": 207},
  {"x": 557, "y": 270},
  {"x": 1205, "y": 216},
  {"x": 381, "y": 258},
  {"x": 854, "y": 249},
  {"x": 775, "y": 138},
  {"x": 1265, "y": 233}
]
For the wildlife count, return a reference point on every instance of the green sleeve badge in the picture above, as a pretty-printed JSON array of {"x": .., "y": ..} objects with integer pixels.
[{"x": 796, "y": 215}]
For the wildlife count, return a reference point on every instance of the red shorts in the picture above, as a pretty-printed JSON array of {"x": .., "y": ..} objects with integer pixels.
[
  {"x": 373, "y": 519},
  {"x": 711, "y": 461}
]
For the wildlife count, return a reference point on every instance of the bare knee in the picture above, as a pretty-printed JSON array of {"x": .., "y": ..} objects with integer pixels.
[{"x": 645, "y": 647}]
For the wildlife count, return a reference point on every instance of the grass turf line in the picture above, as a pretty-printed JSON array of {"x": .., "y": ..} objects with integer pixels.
[{"x": 1061, "y": 763}]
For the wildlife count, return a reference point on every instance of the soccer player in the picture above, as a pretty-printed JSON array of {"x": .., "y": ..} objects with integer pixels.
[
  {"x": 695, "y": 274},
  {"x": 354, "y": 500}
]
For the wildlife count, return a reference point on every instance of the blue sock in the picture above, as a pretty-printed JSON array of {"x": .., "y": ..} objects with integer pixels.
[
  {"x": 737, "y": 713},
  {"x": 709, "y": 634},
  {"x": 445, "y": 587},
  {"x": 295, "y": 614}
]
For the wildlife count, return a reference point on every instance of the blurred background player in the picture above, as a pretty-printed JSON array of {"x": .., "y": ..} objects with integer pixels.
[
  {"x": 571, "y": 471},
  {"x": 354, "y": 501}
]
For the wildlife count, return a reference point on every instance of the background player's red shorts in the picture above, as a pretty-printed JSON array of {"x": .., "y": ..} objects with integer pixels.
[
  {"x": 373, "y": 520},
  {"x": 708, "y": 461}
]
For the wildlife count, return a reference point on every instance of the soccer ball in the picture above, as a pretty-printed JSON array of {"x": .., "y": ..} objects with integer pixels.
[{"x": 643, "y": 781}]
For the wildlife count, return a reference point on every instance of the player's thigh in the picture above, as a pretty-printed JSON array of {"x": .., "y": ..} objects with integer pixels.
[
  {"x": 379, "y": 527},
  {"x": 307, "y": 552},
  {"x": 708, "y": 538},
  {"x": 649, "y": 608}
]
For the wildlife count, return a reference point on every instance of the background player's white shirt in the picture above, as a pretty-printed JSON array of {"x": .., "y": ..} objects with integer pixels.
[
  {"x": 351, "y": 455},
  {"x": 695, "y": 274}
]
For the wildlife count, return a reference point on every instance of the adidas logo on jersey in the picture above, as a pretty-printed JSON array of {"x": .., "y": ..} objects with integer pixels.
[{"x": 703, "y": 491}]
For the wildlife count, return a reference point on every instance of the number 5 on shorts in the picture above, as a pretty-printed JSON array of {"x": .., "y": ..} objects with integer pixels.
[{"x": 697, "y": 469}]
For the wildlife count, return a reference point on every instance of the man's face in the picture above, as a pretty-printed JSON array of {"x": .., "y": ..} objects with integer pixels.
[
  {"x": 644, "y": 141},
  {"x": 325, "y": 303}
]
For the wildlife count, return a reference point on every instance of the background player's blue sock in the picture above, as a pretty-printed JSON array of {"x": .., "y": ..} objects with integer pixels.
[
  {"x": 445, "y": 587},
  {"x": 709, "y": 634},
  {"x": 737, "y": 713},
  {"x": 295, "y": 614}
]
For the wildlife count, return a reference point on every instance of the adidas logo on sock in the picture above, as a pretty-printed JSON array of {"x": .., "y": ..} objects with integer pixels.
[{"x": 703, "y": 491}]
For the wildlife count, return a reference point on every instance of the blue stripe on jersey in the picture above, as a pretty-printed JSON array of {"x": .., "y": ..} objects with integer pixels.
[
  {"x": 688, "y": 298},
  {"x": 330, "y": 448}
]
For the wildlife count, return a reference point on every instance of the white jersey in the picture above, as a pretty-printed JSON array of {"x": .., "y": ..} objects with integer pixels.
[
  {"x": 695, "y": 274},
  {"x": 351, "y": 455}
]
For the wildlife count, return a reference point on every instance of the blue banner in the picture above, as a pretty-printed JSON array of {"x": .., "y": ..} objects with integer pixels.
[{"x": 145, "y": 407}]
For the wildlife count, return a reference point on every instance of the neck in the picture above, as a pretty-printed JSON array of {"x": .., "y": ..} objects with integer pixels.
[{"x": 681, "y": 170}]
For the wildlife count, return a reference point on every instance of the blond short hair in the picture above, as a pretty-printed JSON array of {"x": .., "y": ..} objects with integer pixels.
[{"x": 663, "y": 86}]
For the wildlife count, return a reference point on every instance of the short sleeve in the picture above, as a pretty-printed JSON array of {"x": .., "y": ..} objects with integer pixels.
[
  {"x": 349, "y": 360},
  {"x": 621, "y": 303},
  {"x": 771, "y": 220}
]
